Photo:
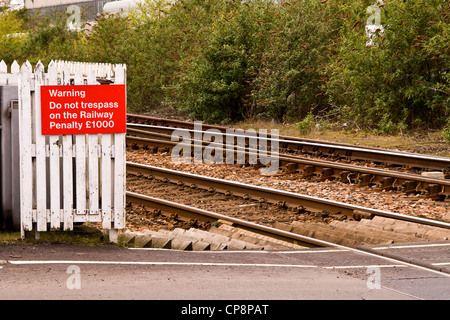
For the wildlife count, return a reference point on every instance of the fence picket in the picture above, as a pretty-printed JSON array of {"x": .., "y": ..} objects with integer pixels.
[
  {"x": 67, "y": 145},
  {"x": 119, "y": 164},
  {"x": 80, "y": 141},
  {"x": 106, "y": 181},
  {"x": 54, "y": 160},
  {"x": 26, "y": 187},
  {"x": 40, "y": 163}
]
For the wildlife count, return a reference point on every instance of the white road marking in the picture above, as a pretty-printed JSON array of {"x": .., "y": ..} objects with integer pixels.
[
  {"x": 441, "y": 264},
  {"x": 413, "y": 246},
  {"x": 157, "y": 263},
  {"x": 366, "y": 266}
]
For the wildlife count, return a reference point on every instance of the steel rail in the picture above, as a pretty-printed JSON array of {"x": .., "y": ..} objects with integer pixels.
[
  {"x": 208, "y": 216},
  {"x": 187, "y": 211},
  {"x": 322, "y": 169},
  {"x": 295, "y": 144},
  {"x": 303, "y": 202}
]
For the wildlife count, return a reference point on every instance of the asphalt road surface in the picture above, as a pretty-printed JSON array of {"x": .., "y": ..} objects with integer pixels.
[{"x": 62, "y": 271}]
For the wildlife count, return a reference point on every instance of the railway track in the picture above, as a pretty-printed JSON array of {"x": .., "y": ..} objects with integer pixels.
[
  {"x": 295, "y": 218},
  {"x": 320, "y": 170},
  {"x": 152, "y": 178},
  {"x": 297, "y": 203},
  {"x": 313, "y": 147}
]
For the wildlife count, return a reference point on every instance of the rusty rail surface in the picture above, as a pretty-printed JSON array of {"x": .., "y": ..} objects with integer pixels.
[
  {"x": 315, "y": 147},
  {"x": 320, "y": 170},
  {"x": 169, "y": 208},
  {"x": 284, "y": 198},
  {"x": 188, "y": 212}
]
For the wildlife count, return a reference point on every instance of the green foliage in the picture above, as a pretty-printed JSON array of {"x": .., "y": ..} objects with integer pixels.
[
  {"x": 107, "y": 42},
  {"x": 290, "y": 83},
  {"x": 26, "y": 37},
  {"x": 305, "y": 125},
  {"x": 446, "y": 132},
  {"x": 162, "y": 48},
  {"x": 218, "y": 82},
  {"x": 403, "y": 76},
  {"x": 298, "y": 60},
  {"x": 12, "y": 38}
]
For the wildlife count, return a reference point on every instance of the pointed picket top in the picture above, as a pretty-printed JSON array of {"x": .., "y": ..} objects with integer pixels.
[
  {"x": 28, "y": 65},
  {"x": 24, "y": 80},
  {"x": 39, "y": 72},
  {"x": 52, "y": 73},
  {"x": 65, "y": 75},
  {"x": 26, "y": 68},
  {"x": 3, "y": 67},
  {"x": 15, "y": 67}
]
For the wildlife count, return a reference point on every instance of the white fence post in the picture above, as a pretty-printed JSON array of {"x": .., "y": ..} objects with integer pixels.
[
  {"x": 25, "y": 135},
  {"x": 55, "y": 148},
  {"x": 120, "y": 162}
]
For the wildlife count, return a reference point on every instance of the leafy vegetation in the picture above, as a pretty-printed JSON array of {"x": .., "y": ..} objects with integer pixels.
[{"x": 299, "y": 61}]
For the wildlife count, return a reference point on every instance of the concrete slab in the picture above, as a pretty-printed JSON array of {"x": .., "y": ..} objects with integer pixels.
[{"x": 143, "y": 241}]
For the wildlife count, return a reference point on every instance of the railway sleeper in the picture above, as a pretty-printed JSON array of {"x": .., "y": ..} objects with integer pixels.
[
  {"x": 308, "y": 171},
  {"x": 434, "y": 191},
  {"x": 364, "y": 179},
  {"x": 385, "y": 183},
  {"x": 349, "y": 177},
  {"x": 358, "y": 215},
  {"x": 409, "y": 187},
  {"x": 326, "y": 173},
  {"x": 290, "y": 168}
]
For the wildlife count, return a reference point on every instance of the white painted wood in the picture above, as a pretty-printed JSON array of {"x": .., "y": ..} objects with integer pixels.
[
  {"x": 119, "y": 164},
  {"x": 40, "y": 163},
  {"x": 67, "y": 145},
  {"x": 107, "y": 176},
  {"x": 80, "y": 141},
  {"x": 9, "y": 78},
  {"x": 26, "y": 187},
  {"x": 3, "y": 67},
  {"x": 3, "y": 73},
  {"x": 54, "y": 159},
  {"x": 13, "y": 77},
  {"x": 15, "y": 68},
  {"x": 93, "y": 163},
  {"x": 48, "y": 176}
]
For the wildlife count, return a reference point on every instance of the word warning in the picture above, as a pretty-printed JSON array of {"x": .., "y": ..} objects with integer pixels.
[{"x": 83, "y": 109}]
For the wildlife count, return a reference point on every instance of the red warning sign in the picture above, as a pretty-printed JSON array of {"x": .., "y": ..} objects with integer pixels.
[{"x": 83, "y": 109}]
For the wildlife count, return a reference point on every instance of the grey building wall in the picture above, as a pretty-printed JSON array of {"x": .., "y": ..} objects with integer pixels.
[
  {"x": 90, "y": 9},
  {"x": 34, "y": 4}
]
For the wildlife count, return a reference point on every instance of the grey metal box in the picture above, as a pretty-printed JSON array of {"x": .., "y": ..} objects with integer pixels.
[{"x": 9, "y": 158}]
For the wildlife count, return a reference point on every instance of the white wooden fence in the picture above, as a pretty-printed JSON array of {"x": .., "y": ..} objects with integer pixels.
[
  {"x": 9, "y": 78},
  {"x": 68, "y": 178}
]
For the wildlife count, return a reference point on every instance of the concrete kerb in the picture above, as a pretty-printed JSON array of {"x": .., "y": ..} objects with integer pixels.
[{"x": 143, "y": 241}]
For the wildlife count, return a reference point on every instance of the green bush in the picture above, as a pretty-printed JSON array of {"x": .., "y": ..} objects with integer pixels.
[
  {"x": 306, "y": 124},
  {"x": 225, "y": 60},
  {"x": 446, "y": 133},
  {"x": 291, "y": 81},
  {"x": 12, "y": 37},
  {"x": 218, "y": 82},
  {"x": 403, "y": 76}
]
